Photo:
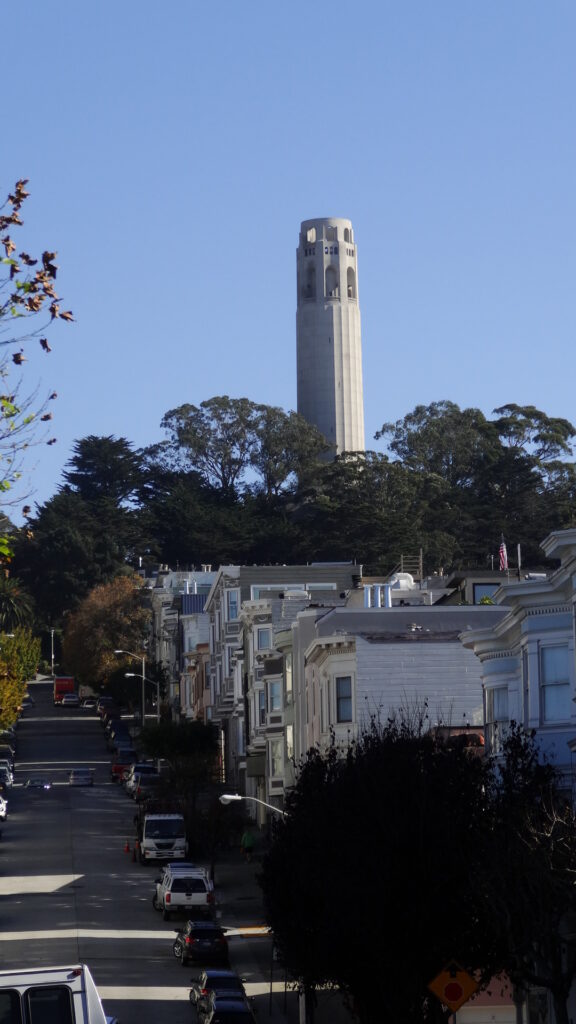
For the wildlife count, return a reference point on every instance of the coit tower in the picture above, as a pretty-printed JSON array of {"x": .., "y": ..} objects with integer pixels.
[{"x": 328, "y": 337}]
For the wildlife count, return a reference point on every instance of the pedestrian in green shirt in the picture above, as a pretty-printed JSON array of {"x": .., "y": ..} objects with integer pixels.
[{"x": 247, "y": 844}]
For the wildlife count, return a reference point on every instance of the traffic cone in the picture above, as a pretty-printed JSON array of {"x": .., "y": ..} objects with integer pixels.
[{"x": 127, "y": 846}]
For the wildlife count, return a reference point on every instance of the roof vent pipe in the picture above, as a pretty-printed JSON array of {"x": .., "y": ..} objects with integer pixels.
[
  {"x": 377, "y": 589},
  {"x": 367, "y": 597},
  {"x": 387, "y": 595}
]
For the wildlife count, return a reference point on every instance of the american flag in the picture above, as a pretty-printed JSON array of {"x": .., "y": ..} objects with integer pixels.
[{"x": 503, "y": 555}]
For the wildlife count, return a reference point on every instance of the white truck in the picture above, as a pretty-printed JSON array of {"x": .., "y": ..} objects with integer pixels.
[
  {"x": 60, "y": 995},
  {"x": 162, "y": 836}
]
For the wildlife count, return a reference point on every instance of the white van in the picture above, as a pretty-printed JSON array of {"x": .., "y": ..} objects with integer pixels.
[{"x": 50, "y": 995}]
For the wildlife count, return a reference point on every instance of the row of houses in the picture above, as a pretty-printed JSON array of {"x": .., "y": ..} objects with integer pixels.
[{"x": 282, "y": 658}]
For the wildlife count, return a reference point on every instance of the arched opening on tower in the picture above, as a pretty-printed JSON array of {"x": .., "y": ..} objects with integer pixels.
[
  {"x": 351, "y": 283},
  {"x": 309, "y": 289},
  {"x": 311, "y": 235},
  {"x": 347, "y": 235},
  {"x": 330, "y": 233},
  {"x": 332, "y": 287}
]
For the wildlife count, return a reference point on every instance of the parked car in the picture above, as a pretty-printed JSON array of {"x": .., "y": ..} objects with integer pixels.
[
  {"x": 147, "y": 787},
  {"x": 221, "y": 982},
  {"x": 8, "y": 766},
  {"x": 81, "y": 777},
  {"x": 201, "y": 941},
  {"x": 3, "y": 808},
  {"x": 89, "y": 704},
  {"x": 120, "y": 764},
  {"x": 135, "y": 771},
  {"x": 184, "y": 887},
  {"x": 27, "y": 702},
  {"x": 227, "y": 1011},
  {"x": 70, "y": 700},
  {"x": 6, "y": 778}
]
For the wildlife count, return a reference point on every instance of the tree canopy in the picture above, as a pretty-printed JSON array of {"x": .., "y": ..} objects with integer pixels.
[
  {"x": 242, "y": 483},
  {"x": 391, "y": 861}
]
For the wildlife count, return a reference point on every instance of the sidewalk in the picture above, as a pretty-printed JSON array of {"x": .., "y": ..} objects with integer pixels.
[{"x": 240, "y": 909}]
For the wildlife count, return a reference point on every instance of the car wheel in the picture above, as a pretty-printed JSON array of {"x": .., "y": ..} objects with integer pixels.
[
  {"x": 155, "y": 903},
  {"x": 177, "y": 949},
  {"x": 165, "y": 914}
]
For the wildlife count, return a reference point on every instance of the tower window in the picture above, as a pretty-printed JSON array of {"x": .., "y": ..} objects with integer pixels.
[
  {"x": 332, "y": 288},
  {"x": 311, "y": 235},
  {"x": 309, "y": 290},
  {"x": 351, "y": 283}
]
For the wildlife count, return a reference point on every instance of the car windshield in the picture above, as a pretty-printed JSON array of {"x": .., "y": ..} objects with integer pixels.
[{"x": 168, "y": 829}]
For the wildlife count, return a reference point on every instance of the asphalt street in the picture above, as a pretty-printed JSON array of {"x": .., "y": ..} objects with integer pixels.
[{"x": 70, "y": 891}]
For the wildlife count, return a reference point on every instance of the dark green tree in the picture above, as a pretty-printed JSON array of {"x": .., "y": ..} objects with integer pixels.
[
  {"x": 104, "y": 469},
  {"x": 85, "y": 535},
  {"x": 459, "y": 858},
  {"x": 407, "y": 811},
  {"x": 216, "y": 439},
  {"x": 530, "y": 874},
  {"x": 16, "y": 605}
]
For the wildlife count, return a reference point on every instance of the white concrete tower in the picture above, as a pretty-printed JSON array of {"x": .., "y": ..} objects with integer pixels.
[{"x": 328, "y": 337}]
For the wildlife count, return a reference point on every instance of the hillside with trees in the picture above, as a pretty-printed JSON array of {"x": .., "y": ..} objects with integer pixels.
[{"x": 238, "y": 482}]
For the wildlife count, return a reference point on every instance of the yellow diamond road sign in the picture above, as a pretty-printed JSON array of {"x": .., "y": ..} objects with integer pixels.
[{"x": 453, "y": 986}]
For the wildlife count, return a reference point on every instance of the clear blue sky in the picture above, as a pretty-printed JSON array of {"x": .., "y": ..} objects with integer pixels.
[{"x": 173, "y": 150}]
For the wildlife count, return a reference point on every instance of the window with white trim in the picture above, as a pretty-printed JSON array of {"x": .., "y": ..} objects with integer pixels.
[
  {"x": 343, "y": 698},
  {"x": 261, "y": 707},
  {"x": 275, "y": 695},
  {"x": 555, "y": 683},
  {"x": 263, "y": 638},
  {"x": 289, "y": 742},
  {"x": 288, "y": 676},
  {"x": 276, "y": 757},
  {"x": 497, "y": 717},
  {"x": 232, "y": 605}
]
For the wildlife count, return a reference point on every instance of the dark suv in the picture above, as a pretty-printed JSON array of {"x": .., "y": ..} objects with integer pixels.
[{"x": 201, "y": 940}]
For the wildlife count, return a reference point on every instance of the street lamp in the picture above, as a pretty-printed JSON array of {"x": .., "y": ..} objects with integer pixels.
[
  {"x": 137, "y": 658},
  {"x": 136, "y": 675},
  {"x": 229, "y": 798}
]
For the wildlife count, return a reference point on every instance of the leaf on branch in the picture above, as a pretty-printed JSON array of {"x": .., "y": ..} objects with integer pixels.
[
  {"x": 54, "y": 310},
  {"x": 45, "y": 345},
  {"x": 67, "y": 315},
  {"x": 46, "y": 416},
  {"x": 18, "y": 358},
  {"x": 8, "y": 245},
  {"x": 27, "y": 259},
  {"x": 53, "y": 395},
  {"x": 51, "y": 441},
  {"x": 47, "y": 262}
]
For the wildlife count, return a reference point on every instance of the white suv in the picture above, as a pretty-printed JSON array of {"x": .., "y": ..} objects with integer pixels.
[{"x": 184, "y": 887}]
